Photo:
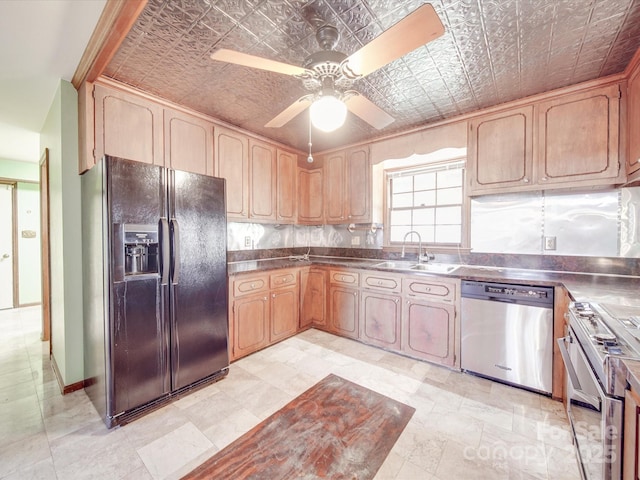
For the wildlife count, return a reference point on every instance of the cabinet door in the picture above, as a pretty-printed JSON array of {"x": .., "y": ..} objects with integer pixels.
[
  {"x": 334, "y": 187},
  {"x": 358, "y": 172},
  {"x": 633, "y": 120},
  {"x": 310, "y": 197},
  {"x": 232, "y": 160},
  {"x": 428, "y": 331},
  {"x": 578, "y": 137},
  {"x": 380, "y": 319},
  {"x": 262, "y": 184},
  {"x": 501, "y": 150},
  {"x": 251, "y": 325},
  {"x": 188, "y": 143},
  {"x": 286, "y": 191},
  {"x": 313, "y": 285},
  {"x": 127, "y": 126},
  {"x": 284, "y": 313},
  {"x": 343, "y": 311}
]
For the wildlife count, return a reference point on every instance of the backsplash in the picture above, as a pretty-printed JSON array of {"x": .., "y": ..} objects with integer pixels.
[{"x": 255, "y": 236}]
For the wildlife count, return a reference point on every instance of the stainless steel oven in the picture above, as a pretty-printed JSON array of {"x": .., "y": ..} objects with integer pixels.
[{"x": 592, "y": 353}]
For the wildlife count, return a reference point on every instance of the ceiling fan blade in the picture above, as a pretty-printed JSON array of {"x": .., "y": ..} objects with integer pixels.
[
  {"x": 246, "y": 60},
  {"x": 416, "y": 29},
  {"x": 290, "y": 112},
  {"x": 368, "y": 111}
]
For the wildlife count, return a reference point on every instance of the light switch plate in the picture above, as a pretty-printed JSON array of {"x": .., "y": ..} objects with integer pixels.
[{"x": 247, "y": 241}]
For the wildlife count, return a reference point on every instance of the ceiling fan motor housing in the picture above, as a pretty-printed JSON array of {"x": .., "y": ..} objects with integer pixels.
[{"x": 325, "y": 64}]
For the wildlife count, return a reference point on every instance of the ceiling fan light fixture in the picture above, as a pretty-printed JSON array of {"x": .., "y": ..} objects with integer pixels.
[{"x": 328, "y": 113}]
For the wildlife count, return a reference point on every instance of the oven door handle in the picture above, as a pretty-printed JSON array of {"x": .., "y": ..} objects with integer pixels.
[{"x": 573, "y": 376}]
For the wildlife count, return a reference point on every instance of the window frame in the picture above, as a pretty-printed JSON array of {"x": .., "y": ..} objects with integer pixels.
[{"x": 389, "y": 173}]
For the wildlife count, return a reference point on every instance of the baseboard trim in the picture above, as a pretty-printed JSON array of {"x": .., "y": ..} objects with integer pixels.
[{"x": 64, "y": 389}]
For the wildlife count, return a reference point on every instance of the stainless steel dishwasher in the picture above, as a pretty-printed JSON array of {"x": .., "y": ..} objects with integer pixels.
[{"x": 507, "y": 333}]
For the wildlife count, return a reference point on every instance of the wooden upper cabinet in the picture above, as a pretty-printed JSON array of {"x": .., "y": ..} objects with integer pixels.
[
  {"x": 232, "y": 159},
  {"x": 188, "y": 143},
  {"x": 262, "y": 183},
  {"x": 347, "y": 190},
  {"x": 310, "y": 196},
  {"x": 358, "y": 173},
  {"x": 500, "y": 149},
  {"x": 633, "y": 120},
  {"x": 127, "y": 126},
  {"x": 575, "y": 142},
  {"x": 286, "y": 180},
  {"x": 578, "y": 137},
  {"x": 334, "y": 187}
]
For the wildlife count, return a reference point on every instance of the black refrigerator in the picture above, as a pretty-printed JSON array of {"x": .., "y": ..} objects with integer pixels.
[{"x": 154, "y": 285}]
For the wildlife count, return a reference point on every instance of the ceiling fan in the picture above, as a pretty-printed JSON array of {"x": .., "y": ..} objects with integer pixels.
[{"x": 330, "y": 74}]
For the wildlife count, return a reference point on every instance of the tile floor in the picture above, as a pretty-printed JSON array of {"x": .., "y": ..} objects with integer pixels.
[{"x": 463, "y": 428}]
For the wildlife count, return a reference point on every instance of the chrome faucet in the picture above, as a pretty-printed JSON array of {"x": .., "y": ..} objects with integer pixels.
[
  {"x": 427, "y": 256},
  {"x": 404, "y": 242}
]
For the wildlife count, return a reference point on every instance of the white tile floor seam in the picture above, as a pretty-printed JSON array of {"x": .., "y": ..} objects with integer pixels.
[{"x": 463, "y": 427}]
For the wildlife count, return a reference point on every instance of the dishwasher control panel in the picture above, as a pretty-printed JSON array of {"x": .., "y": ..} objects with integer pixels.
[{"x": 534, "y": 294}]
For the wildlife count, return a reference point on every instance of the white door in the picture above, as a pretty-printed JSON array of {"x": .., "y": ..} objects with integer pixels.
[{"x": 6, "y": 246}]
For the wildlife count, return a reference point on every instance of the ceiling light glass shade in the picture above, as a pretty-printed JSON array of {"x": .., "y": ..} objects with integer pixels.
[{"x": 328, "y": 113}]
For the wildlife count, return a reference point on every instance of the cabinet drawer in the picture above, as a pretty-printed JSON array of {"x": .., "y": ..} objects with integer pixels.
[
  {"x": 342, "y": 277},
  {"x": 283, "y": 278},
  {"x": 382, "y": 282},
  {"x": 253, "y": 284},
  {"x": 425, "y": 288}
]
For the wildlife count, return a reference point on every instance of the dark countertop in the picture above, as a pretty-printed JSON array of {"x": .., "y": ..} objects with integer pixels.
[{"x": 611, "y": 289}]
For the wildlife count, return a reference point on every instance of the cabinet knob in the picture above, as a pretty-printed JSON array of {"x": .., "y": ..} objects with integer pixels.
[
  {"x": 265, "y": 299},
  {"x": 253, "y": 285},
  {"x": 354, "y": 294},
  {"x": 379, "y": 282},
  {"x": 525, "y": 180},
  {"x": 544, "y": 179},
  {"x": 396, "y": 300},
  {"x": 638, "y": 160},
  {"x": 273, "y": 295}
]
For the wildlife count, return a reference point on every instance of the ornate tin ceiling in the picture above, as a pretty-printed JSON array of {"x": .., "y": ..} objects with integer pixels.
[{"x": 492, "y": 51}]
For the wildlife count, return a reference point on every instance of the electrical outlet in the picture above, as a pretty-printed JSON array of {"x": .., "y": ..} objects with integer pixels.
[
  {"x": 355, "y": 240},
  {"x": 247, "y": 241},
  {"x": 549, "y": 243}
]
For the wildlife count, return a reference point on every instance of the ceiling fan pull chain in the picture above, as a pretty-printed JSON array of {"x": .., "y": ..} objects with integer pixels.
[{"x": 310, "y": 157}]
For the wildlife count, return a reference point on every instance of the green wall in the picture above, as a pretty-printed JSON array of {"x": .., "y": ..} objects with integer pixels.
[{"x": 60, "y": 135}]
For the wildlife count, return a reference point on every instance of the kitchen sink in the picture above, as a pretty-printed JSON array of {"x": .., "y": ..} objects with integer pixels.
[
  {"x": 396, "y": 265},
  {"x": 435, "y": 267},
  {"x": 422, "y": 267}
]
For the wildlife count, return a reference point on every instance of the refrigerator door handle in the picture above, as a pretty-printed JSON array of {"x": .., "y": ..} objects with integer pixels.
[
  {"x": 165, "y": 252},
  {"x": 175, "y": 251}
]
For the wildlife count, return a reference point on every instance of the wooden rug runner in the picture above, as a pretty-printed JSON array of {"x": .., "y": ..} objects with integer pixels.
[{"x": 336, "y": 430}]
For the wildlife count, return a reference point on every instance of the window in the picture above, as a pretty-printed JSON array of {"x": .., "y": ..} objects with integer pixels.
[{"x": 428, "y": 200}]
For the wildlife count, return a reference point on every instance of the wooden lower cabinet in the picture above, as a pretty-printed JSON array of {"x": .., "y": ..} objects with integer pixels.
[
  {"x": 380, "y": 315},
  {"x": 429, "y": 331},
  {"x": 250, "y": 325},
  {"x": 284, "y": 313},
  {"x": 313, "y": 298},
  {"x": 264, "y": 309},
  {"x": 344, "y": 311}
]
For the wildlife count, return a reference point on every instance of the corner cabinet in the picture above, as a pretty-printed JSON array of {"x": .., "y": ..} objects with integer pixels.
[
  {"x": 310, "y": 196},
  {"x": 286, "y": 187},
  {"x": 313, "y": 297},
  {"x": 127, "y": 126},
  {"x": 566, "y": 141}
]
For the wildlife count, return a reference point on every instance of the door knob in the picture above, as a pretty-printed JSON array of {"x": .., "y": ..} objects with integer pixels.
[{"x": 6, "y": 255}]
